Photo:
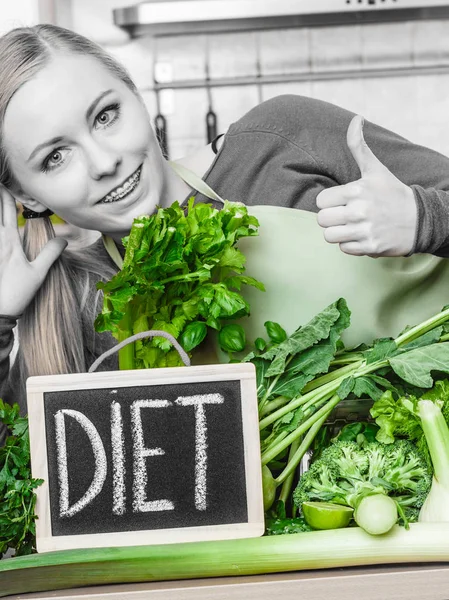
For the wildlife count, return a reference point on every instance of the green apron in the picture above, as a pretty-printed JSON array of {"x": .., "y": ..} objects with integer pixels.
[{"x": 303, "y": 274}]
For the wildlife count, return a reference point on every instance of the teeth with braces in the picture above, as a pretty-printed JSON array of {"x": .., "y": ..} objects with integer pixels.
[{"x": 124, "y": 190}]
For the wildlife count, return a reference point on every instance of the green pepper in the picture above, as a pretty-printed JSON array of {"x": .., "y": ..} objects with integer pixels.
[
  {"x": 193, "y": 335},
  {"x": 232, "y": 338}
]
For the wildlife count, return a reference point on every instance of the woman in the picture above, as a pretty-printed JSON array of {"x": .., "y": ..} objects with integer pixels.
[{"x": 76, "y": 140}]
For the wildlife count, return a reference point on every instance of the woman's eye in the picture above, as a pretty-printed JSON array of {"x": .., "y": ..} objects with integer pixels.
[
  {"x": 55, "y": 159},
  {"x": 108, "y": 116}
]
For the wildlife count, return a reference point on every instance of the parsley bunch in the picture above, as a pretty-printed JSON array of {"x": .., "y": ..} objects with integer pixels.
[
  {"x": 182, "y": 274},
  {"x": 17, "y": 497}
]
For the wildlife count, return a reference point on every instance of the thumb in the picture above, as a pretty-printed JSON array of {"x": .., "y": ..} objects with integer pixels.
[
  {"x": 49, "y": 254},
  {"x": 362, "y": 153}
]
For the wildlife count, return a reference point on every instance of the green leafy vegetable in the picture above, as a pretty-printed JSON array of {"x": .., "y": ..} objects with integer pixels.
[
  {"x": 361, "y": 432},
  {"x": 416, "y": 365},
  {"x": 193, "y": 334},
  {"x": 182, "y": 273},
  {"x": 232, "y": 338},
  {"x": 275, "y": 332},
  {"x": 17, "y": 497},
  {"x": 303, "y": 378},
  {"x": 398, "y": 417},
  {"x": 277, "y": 526}
]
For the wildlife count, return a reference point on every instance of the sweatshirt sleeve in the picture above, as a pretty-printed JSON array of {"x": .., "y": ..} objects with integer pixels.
[
  {"x": 318, "y": 130},
  {"x": 432, "y": 234}
]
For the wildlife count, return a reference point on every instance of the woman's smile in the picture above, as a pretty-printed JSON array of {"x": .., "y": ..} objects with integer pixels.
[{"x": 125, "y": 189}]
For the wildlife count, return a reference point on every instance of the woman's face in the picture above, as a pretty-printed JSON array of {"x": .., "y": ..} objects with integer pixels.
[{"x": 80, "y": 142}]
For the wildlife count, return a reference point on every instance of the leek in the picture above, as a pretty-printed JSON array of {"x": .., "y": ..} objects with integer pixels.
[
  {"x": 423, "y": 542},
  {"x": 436, "y": 432}
]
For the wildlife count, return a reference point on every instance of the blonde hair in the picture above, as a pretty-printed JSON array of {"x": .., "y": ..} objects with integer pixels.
[{"x": 56, "y": 332}]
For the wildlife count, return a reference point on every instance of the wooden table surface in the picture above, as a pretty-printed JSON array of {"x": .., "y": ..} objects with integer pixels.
[{"x": 414, "y": 582}]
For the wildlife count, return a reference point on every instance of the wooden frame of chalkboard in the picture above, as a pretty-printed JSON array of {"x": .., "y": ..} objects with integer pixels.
[{"x": 205, "y": 420}]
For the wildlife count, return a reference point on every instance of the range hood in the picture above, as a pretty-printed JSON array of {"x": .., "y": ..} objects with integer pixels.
[{"x": 172, "y": 17}]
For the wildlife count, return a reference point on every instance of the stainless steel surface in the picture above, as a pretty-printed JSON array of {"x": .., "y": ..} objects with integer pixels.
[{"x": 173, "y": 17}]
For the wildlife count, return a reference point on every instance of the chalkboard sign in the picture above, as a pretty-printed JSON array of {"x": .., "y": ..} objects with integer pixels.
[{"x": 145, "y": 457}]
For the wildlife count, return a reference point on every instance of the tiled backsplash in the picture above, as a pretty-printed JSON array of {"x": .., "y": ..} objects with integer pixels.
[{"x": 416, "y": 105}]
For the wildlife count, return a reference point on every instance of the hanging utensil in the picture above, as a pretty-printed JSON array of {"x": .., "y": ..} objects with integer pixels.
[
  {"x": 258, "y": 70},
  {"x": 160, "y": 122},
  {"x": 211, "y": 117},
  {"x": 160, "y": 125}
]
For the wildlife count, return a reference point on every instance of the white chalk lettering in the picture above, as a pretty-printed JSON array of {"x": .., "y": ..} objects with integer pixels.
[
  {"x": 198, "y": 403},
  {"x": 100, "y": 462},
  {"x": 118, "y": 460},
  {"x": 140, "y": 504}
]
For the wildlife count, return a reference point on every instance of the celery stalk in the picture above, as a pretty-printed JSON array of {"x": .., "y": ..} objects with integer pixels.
[
  {"x": 126, "y": 354},
  {"x": 134, "y": 241},
  {"x": 423, "y": 542}
]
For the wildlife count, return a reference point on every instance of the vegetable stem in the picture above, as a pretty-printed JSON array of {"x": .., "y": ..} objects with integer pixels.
[
  {"x": 278, "y": 448},
  {"x": 183, "y": 277},
  {"x": 436, "y": 433},
  {"x": 297, "y": 402},
  {"x": 273, "y": 405},
  {"x": 267, "y": 394},
  {"x": 295, "y": 458},
  {"x": 419, "y": 330},
  {"x": 332, "y": 376},
  {"x": 134, "y": 241},
  {"x": 356, "y": 370},
  {"x": 346, "y": 359},
  {"x": 126, "y": 354},
  {"x": 287, "y": 482}
]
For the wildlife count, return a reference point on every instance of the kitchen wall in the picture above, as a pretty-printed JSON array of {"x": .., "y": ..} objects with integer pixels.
[
  {"x": 415, "y": 105},
  {"x": 18, "y": 13}
]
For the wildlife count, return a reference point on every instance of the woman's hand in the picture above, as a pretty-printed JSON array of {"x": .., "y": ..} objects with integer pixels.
[
  {"x": 19, "y": 278},
  {"x": 375, "y": 215}
]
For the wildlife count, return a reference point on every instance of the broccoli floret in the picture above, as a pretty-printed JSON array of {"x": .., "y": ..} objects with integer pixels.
[
  {"x": 346, "y": 472},
  {"x": 407, "y": 474}
]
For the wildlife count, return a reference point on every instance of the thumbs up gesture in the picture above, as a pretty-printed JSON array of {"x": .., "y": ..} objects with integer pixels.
[{"x": 375, "y": 215}]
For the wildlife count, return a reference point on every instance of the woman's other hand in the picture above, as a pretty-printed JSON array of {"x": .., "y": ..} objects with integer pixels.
[
  {"x": 20, "y": 279},
  {"x": 375, "y": 215}
]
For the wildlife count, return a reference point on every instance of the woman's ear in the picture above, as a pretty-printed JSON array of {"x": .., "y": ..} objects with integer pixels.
[{"x": 28, "y": 202}]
